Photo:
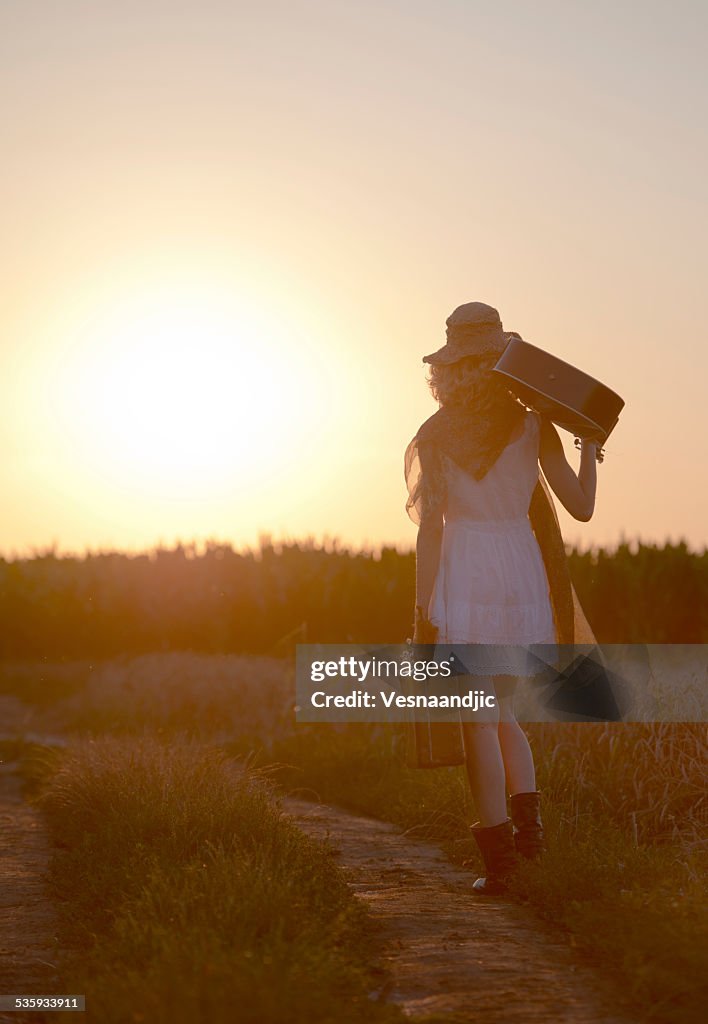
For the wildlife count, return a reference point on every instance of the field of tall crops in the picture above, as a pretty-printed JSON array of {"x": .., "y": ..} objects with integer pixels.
[{"x": 219, "y": 600}]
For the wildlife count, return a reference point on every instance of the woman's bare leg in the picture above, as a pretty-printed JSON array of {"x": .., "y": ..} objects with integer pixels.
[
  {"x": 515, "y": 751},
  {"x": 485, "y": 769}
]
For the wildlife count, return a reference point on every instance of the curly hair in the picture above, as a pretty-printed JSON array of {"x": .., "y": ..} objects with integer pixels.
[
  {"x": 468, "y": 388},
  {"x": 469, "y": 383}
]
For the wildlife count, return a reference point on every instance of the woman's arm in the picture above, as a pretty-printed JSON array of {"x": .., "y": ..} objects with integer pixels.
[
  {"x": 575, "y": 493},
  {"x": 429, "y": 542},
  {"x": 427, "y": 561}
]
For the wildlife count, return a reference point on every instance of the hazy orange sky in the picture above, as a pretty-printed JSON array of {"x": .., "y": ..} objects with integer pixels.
[{"x": 230, "y": 231}]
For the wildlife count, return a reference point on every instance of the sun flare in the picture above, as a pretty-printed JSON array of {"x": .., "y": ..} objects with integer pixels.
[{"x": 170, "y": 393}]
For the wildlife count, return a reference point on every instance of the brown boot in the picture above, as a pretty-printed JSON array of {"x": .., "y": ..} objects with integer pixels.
[
  {"x": 528, "y": 829},
  {"x": 496, "y": 844}
]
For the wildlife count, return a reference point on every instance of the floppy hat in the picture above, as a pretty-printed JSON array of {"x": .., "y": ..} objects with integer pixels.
[{"x": 472, "y": 329}]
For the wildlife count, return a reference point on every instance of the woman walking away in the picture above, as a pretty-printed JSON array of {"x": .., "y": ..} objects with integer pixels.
[{"x": 480, "y": 574}]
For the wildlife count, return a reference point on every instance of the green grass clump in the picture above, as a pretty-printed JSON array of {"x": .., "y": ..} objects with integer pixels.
[{"x": 187, "y": 896}]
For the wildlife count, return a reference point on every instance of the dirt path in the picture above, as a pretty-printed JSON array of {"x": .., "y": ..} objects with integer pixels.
[
  {"x": 450, "y": 953},
  {"x": 27, "y": 919},
  {"x": 26, "y": 950}
]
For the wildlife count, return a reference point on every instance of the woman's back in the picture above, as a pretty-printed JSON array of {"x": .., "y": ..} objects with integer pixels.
[{"x": 504, "y": 492}]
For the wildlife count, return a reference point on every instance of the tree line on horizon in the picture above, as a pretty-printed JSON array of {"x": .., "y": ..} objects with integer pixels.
[{"x": 263, "y": 600}]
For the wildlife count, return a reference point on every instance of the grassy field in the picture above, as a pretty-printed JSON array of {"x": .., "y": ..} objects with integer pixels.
[
  {"x": 625, "y": 810},
  {"x": 186, "y": 895}
]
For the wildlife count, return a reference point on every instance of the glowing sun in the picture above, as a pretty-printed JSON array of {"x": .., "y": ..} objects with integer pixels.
[{"x": 172, "y": 392}]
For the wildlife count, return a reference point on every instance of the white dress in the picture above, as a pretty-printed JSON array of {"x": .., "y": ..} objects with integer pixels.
[{"x": 491, "y": 586}]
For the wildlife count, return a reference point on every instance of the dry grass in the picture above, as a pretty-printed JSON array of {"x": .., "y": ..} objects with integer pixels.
[{"x": 648, "y": 778}]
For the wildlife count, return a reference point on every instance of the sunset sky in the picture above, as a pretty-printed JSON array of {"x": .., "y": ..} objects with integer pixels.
[{"x": 230, "y": 231}]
